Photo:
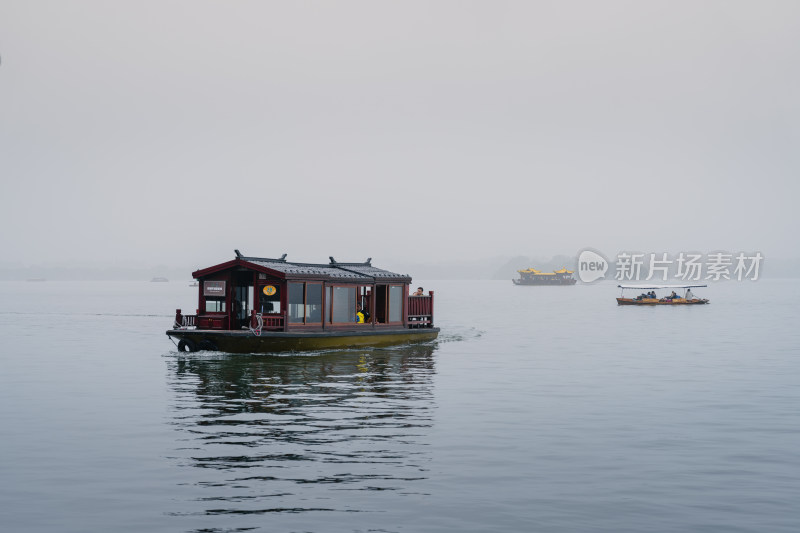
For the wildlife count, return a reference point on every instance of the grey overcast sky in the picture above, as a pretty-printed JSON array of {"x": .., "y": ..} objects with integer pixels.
[{"x": 172, "y": 132}]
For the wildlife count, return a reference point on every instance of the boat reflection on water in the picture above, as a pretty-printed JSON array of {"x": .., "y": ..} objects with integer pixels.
[{"x": 305, "y": 433}]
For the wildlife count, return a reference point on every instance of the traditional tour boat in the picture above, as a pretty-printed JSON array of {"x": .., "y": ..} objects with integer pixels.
[
  {"x": 262, "y": 305},
  {"x": 650, "y": 297},
  {"x": 531, "y": 276}
]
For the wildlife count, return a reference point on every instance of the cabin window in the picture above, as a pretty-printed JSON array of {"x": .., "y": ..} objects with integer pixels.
[
  {"x": 396, "y": 303},
  {"x": 296, "y": 308},
  {"x": 215, "y": 305},
  {"x": 313, "y": 302},
  {"x": 328, "y": 302},
  {"x": 365, "y": 301},
  {"x": 305, "y": 303},
  {"x": 344, "y": 304}
]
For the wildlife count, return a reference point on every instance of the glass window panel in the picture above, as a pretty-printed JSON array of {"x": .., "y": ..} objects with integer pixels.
[
  {"x": 328, "y": 303},
  {"x": 344, "y": 304},
  {"x": 396, "y": 303},
  {"x": 313, "y": 302},
  {"x": 215, "y": 305},
  {"x": 296, "y": 308}
]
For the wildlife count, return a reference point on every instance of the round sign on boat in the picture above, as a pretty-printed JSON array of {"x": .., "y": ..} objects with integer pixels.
[{"x": 269, "y": 290}]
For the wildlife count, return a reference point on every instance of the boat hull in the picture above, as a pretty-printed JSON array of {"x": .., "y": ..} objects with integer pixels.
[
  {"x": 654, "y": 301},
  {"x": 279, "y": 341}
]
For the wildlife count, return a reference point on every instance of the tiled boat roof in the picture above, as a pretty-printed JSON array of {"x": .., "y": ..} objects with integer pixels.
[
  {"x": 356, "y": 272},
  {"x": 306, "y": 269}
]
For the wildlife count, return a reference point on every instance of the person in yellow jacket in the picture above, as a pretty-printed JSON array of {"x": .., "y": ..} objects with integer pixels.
[{"x": 362, "y": 316}]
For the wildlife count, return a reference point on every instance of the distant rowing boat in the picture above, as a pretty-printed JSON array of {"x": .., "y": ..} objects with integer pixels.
[{"x": 651, "y": 298}]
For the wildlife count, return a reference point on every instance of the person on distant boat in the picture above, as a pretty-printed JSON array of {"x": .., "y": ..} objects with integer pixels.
[
  {"x": 419, "y": 292},
  {"x": 651, "y": 294},
  {"x": 689, "y": 295},
  {"x": 673, "y": 296}
]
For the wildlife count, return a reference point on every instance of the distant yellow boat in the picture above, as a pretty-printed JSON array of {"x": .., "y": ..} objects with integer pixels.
[{"x": 531, "y": 276}]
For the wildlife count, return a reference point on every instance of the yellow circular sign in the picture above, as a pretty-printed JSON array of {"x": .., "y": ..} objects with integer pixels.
[{"x": 269, "y": 290}]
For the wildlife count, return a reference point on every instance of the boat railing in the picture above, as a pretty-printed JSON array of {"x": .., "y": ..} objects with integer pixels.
[
  {"x": 184, "y": 321},
  {"x": 271, "y": 322},
  {"x": 420, "y": 311}
]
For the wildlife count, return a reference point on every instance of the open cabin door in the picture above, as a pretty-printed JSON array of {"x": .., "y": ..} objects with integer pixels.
[
  {"x": 242, "y": 299},
  {"x": 380, "y": 303},
  {"x": 389, "y": 303}
]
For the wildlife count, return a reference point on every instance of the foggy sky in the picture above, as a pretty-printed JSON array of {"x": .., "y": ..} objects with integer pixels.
[{"x": 173, "y": 132}]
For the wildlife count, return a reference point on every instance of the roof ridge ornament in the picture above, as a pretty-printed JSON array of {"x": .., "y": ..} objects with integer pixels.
[
  {"x": 281, "y": 259},
  {"x": 368, "y": 262}
]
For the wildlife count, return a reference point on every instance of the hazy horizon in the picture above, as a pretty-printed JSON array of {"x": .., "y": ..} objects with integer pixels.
[
  {"x": 173, "y": 132},
  {"x": 473, "y": 269}
]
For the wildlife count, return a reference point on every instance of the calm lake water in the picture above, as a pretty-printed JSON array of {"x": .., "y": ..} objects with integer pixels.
[{"x": 539, "y": 409}]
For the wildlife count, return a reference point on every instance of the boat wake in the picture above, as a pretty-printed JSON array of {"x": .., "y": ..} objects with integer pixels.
[
  {"x": 460, "y": 335},
  {"x": 399, "y": 348}
]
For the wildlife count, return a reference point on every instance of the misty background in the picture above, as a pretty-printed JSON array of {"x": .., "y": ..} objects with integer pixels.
[{"x": 443, "y": 139}]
